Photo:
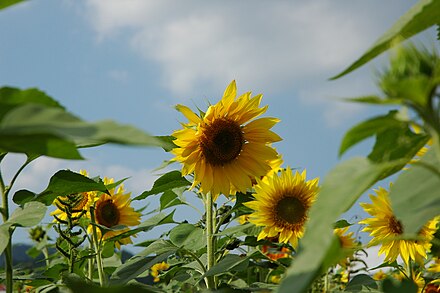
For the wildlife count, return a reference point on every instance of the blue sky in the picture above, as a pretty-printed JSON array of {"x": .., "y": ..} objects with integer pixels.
[{"x": 132, "y": 61}]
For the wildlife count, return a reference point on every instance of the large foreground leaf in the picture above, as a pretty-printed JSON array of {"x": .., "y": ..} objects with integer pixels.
[
  {"x": 33, "y": 123},
  {"x": 341, "y": 188},
  {"x": 7, "y": 3},
  {"x": 421, "y": 16},
  {"x": 415, "y": 196}
]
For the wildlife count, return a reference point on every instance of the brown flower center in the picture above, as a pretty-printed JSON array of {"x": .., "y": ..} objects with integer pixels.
[
  {"x": 395, "y": 226},
  {"x": 291, "y": 210},
  {"x": 221, "y": 142},
  {"x": 107, "y": 213}
]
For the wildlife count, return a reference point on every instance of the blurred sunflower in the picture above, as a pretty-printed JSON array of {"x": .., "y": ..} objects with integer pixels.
[
  {"x": 346, "y": 240},
  {"x": 114, "y": 210},
  {"x": 157, "y": 268},
  {"x": 385, "y": 229},
  {"x": 348, "y": 244},
  {"x": 435, "y": 265},
  {"x": 82, "y": 203},
  {"x": 281, "y": 205},
  {"x": 226, "y": 147}
]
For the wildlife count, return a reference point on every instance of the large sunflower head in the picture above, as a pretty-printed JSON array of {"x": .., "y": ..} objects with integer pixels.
[
  {"x": 386, "y": 229},
  {"x": 226, "y": 147},
  {"x": 281, "y": 205},
  {"x": 82, "y": 203},
  {"x": 115, "y": 210}
]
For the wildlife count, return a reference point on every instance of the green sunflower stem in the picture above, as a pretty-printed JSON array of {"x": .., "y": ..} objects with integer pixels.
[
  {"x": 5, "y": 214},
  {"x": 210, "y": 239},
  {"x": 101, "y": 275}
]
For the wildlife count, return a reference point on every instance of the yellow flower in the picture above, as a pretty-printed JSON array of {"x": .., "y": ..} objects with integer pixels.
[
  {"x": 226, "y": 147},
  {"x": 435, "y": 266},
  {"x": 114, "y": 210},
  {"x": 156, "y": 268},
  {"x": 347, "y": 242},
  {"x": 275, "y": 279},
  {"x": 82, "y": 205},
  {"x": 416, "y": 278},
  {"x": 379, "y": 275},
  {"x": 282, "y": 204},
  {"x": 386, "y": 229}
]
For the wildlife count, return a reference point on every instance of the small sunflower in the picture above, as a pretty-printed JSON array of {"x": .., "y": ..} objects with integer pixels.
[
  {"x": 226, "y": 147},
  {"x": 379, "y": 275},
  {"x": 348, "y": 244},
  {"x": 385, "y": 229},
  {"x": 157, "y": 268},
  {"x": 86, "y": 199},
  {"x": 435, "y": 266},
  {"x": 346, "y": 240},
  {"x": 113, "y": 210},
  {"x": 281, "y": 205}
]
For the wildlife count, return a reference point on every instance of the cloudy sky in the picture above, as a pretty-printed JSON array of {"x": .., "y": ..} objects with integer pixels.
[{"x": 133, "y": 60}]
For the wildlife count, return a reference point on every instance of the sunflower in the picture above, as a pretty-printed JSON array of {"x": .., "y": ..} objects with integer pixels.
[
  {"x": 82, "y": 204},
  {"x": 115, "y": 210},
  {"x": 157, "y": 268},
  {"x": 281, "y": 205},
  {"x": 346, "y": 240},
  {"x": 435, "y": 266},
  {"x": 386, "y": 229},
  {"x": 348, "y": 244},
  {"x": 226, "y": 147}
]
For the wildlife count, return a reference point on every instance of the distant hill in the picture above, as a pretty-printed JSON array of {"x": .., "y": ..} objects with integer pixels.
[{"x": 21, "y": 259}]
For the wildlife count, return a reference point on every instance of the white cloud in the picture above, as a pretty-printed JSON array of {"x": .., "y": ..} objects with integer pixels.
[{"x": 269, "y": 46}]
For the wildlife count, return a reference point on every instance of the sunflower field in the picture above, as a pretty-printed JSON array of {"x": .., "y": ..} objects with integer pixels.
[{"x": 265, "y": 226}]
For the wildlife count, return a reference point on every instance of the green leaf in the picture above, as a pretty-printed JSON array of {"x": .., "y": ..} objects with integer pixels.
[
  {"x": 405, "y": 286},
  {"x": 336, "y": 197},
  {"x": 30, "y": 215},
  {"x": 229, "y": 263},
  {"x": 78, "y": 284},
  {"x": 4, "y": 236},
  {"x": 368, "y": 128},
  {"x": 375, "y": 100},
  {"x": 168, "y": 181},
  {"x": 167, "y": 142},
  {"x": 139, "y": 263},
  {"x": 423, "y": 15},
  {"x": 147, "y": 225},
  {"x": 7, "y": 3},
  {"x": 168, "y": 199},
  {"x": 39, "y": 144},
  {"x": 396, "y": 143},
  {"x": 359, "y": 281},
  {"x": 66, "y": 182},
  {"x": 415, "y": 195},
  {"x": 235, "y": 229},
  {"x": 15, "y": 96},
  {"x": 23, "y": 196},
  {"x": 188, "y": 236},
  {"x": 52, "y": 128},
  {"x": 341, "y": 224}
]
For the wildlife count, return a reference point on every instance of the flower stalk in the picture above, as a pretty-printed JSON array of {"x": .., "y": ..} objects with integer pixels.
[
  {"x": 5, "y": 215},
  {"x": 97, "y": 249},
  {"x": 210, "y": 239}
]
